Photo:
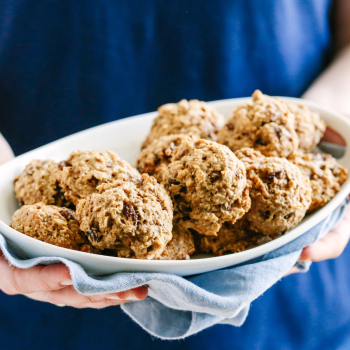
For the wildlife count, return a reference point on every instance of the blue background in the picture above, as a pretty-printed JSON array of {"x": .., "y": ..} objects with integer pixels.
[{"x": 69, "y": 65}]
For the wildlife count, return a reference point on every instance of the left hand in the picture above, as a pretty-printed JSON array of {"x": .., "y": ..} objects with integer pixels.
[
  {"x": 5, "y": 150},
  {"x": 53, "y": 284},
  {"x": 330, "y": 246}
]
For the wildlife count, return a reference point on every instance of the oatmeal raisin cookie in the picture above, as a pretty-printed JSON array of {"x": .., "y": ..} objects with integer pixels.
[
  {"x": 208, "y": 186},
  {"x": 181, "y": 246},
  {"x": 265, "y": 124},
  {"x": 280, "y": 194},
  {"x": 233, "y": 239},
  {"x": 325, "y": 173},
  {"x": 83, "y": 171},
  {"x": 154, "y": 159},
  {"x": 38, "y": 183},
  {"x": 185, "y": 117},
  {"x": 50, "y": 224},
  {"x": 308, "y": 125},
  {"x": 132, "y": 218}
]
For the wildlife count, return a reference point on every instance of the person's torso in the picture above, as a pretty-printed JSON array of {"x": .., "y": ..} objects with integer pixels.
[
  {"x": 71, "y": 65},
  {"x": 66, "y": 66}
]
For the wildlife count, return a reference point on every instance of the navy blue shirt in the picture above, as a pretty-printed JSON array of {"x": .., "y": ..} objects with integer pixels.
[{"x": 68, "y": 65}]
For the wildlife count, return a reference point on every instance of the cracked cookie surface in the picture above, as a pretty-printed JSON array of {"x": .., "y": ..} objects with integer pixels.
[
  {"x": 265, "y": 124},
  {"x": 308, "y": 126},
  {"x": 280, "y": 193},
  {"x": 185, "y": 117},
  {"x": 134, "y": 219},
  {"x": 50, "y": 224},
  {"x": 181, "y": 246},
  {"x": 208, "y": 186},
  {"x": 155, "y": 158},
  {"x": 38, "y": 183},
  {"x": 83, "y": 171},
  {"x": 233, "y": 239},
  {"x": 325, "y": 173}
]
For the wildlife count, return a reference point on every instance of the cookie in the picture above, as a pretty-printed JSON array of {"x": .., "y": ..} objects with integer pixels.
[
  {"x": 185, "y": 117},
  {"x": 280, "y": 194},
  {"x": 233, "y": 239},
  {"x": 83, "y": 171},
  {"x": 265, "y": 124},
  {"x": 325, "y": 173},
  {"x": 154, "y": 158},
  {"x": 181, "y": 246},
  {"x": 134, "y": 219},
  {"x": 50, "y": 224},
  {"x": 249, "y": 153},
  {"x": 38, "y": 183},
  {"x": 308, "y": 126},
  {"x": 208, "y": 186}
]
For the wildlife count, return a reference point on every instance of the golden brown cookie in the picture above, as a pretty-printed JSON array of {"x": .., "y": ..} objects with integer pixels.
[
  {"x": 181, "y": 246},
  {"x": 233, "y": 239},
  {"x": 265, "y": 124},
  {"x": 325, "y": 173},
  {"x": 208, "y": 186},
  {"x": 134, "y": 219},
  {"x": 185, "y": 117},
  {"x": 154, "y": 158},
  {"x": 83, "y": 171},
  {"x": 308, "y": 126},
  {"x": 50, "y": 224},
  {"x": 38, "y": 183},
  {"x": 249, "y": 153},
  {"x": 280, "y": 194}
]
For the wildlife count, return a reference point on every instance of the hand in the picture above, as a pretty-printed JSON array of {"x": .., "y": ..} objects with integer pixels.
[
  {"x": 6, "y": 153},
  {"x": 52, "y": 284},
  {"x": 330, "y": 246},
  {"x": 334, "y": 137}
]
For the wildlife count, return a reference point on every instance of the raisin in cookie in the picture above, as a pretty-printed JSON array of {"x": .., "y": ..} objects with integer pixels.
[
  {"x": 208, "y": 186},
  {"x": 83, "y": 171},
  {"x": 233, "y": 239},
  {"x": 308, "y": 126},
  {"x": 38, "y": 183},
  {"x": 186, "y": 117},
  {"x": 280, "y": 194},
  {"x": 50, "y": 224},
  {"x": 134, "y": 219},
  {"x": 154, "y": 159},
  {"x": 265, "y": 124},
  {"x": 181, "y": 246},
  {"x": 325, "y": 174}
]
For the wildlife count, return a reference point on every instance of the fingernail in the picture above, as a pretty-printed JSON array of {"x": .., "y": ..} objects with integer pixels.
[
  {"x": 66, "y": 282},
  {"x": 130, "y": 297}
]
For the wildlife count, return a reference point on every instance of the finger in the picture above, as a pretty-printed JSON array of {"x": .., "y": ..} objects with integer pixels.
[
  {"x": 332, "y": 136},
  {"x": 103, "y": 304},
  {"x": 332, "y": 245},
  {"x": 292, "y": 271},
  {"x": 46, "y": 297},
  {"x": 140, "y": 292},
  {"x": 35, "y": 279},
  {"x": 70, "y": 297},
  {"x": 49, "y": 278},
  {"x": 329, "y": 247}
]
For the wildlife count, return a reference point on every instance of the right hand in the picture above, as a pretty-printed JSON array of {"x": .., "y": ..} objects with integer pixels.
[{"x": 52, "y": 284}]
